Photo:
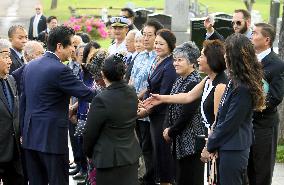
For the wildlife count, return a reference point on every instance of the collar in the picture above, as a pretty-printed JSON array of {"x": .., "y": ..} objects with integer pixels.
[
  {"x": 248, "y": 33},
  {"x": 75, "y": 62},
  {"x": 20, "y": 55},
  {"x": 209, "y": 34},
  {"x": 117, "y": 84},
  {"x": 50, "y": 52},
  {"x": 39, "y": 15},
  {"x": 151, "y": 53},
  {"x": 263, "y": 54}
]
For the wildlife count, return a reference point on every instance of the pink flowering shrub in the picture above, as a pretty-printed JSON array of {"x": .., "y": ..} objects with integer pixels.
[{"x": 94, "y": 27}]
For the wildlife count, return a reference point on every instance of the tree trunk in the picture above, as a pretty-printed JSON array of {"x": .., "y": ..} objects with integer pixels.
[
  {"x": 281, "y": 55},
  {"x": 53, "y": 4}
]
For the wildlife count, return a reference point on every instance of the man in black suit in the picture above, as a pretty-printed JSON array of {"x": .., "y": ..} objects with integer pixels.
[
  {"x": 18, "y": 38},
  {"x": 51, "y": 23},
  {"x": 265, "y": 123},
  {"x": 47, "y": 87},
  {"x": 10, "y": 164},
  {"x": 37, "y": 23},
  {"x": 211, "y": 33}
]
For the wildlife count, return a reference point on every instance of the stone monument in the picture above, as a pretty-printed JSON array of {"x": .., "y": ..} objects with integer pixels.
[{"x": 178, "y": 9}]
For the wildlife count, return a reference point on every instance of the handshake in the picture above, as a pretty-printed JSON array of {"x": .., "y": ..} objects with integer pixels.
[{"x": 144, "y": 107}]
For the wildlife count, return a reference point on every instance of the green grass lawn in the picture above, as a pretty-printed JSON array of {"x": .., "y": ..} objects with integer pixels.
[
  {"x": 226, "y": 6},
  {"x": 63, "y": 13},
  {"x": 280, "y": 154}
]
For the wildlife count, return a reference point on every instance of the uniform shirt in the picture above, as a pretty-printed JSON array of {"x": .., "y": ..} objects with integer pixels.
[{"x": 117, "y": 48}]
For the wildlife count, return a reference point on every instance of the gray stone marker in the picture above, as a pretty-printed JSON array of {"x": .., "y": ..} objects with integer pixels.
[{"x": 178, "y": 9}]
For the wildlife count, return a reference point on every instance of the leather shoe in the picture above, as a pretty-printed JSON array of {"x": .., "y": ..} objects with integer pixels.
[
  {"x": 74, "y": 172},
  {"x": 81, "y": 182},
  {"x": 79, "y": 176},
  {"x": 72, "y": 166}
]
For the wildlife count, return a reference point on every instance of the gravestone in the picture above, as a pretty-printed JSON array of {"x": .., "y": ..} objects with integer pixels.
[
  {"x": 223, "y": 26},
  {"x": 141, "y": 16},
  {"x": 178, "y": 9},
  {"x": 197, "y": 31},
  {"x": 166, "y": 20}
]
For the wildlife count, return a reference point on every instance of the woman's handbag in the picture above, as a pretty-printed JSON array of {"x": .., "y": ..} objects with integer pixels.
[
  {"x": 81, "y": 126},
  {"x": 199, "y": 143}
]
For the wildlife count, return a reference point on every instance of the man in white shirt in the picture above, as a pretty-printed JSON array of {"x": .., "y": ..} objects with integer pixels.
[
  {"x": 37, "y": 23},
  {"x": 120, "y": 29}
]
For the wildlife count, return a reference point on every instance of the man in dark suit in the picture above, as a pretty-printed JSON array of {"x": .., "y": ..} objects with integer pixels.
[
  {"x": 18, "y": 37},
  {"x": 10, "y": 164},
  {"x": 211, "y": 33},
  {"x": 265, "y": 123},
  {"x": 47, "y": 87},
  {"x": 51, "y": 23},
  {"x": 37, "y": 23}
]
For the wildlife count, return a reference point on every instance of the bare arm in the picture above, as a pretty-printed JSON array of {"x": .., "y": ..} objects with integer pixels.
[
  {"x": 219, "y": 91},
  {"x": 181, "y": 98}
]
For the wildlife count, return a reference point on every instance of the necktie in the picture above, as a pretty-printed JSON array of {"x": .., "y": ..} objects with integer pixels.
[
  {"x": 8, "y": 94},
  {"x": 129, "y": 60},
  {"x": 22, "y": 59}
]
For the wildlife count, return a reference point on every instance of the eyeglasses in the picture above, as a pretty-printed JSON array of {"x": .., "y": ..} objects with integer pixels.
[
  {"x": 37, "y": 8},
  {"x": 238, "y": 23}
]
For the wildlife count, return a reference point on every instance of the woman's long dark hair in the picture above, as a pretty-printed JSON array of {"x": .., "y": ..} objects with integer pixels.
[{"x": 243, "y": 67}]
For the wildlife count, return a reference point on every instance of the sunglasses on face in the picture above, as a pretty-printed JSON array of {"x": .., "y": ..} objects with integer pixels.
[{"x": 238, "y": 23}]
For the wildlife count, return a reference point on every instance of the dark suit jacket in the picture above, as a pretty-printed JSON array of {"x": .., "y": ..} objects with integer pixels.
[
  {"x": 9, "y": 125},
  {"x": 40, "y": 27},
  {"x": 161, "y": 82},
  {"x": 42, "y": 37},
  {"x": 16, "y": 61},
  {"x": 110, "y": 139},
  {"x": 216, "y": 35},
  {"x": 47, "y": 87},
  {"x": 234, "y": 121},
  {"x": 274, "y": 74}
]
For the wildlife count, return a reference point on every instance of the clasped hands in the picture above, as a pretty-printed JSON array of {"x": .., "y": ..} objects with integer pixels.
[{"x": 144, "y": 107}]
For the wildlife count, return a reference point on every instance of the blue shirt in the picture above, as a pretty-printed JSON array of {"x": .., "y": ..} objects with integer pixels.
[{"x": 141, "y": 69}]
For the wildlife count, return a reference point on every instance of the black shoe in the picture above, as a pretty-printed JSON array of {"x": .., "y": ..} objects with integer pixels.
[
  {"x": 79, "y": 176},
  {"x": 74, "y": 172},
  {"x": 81, "y": 182},
  {"x": 72, "y": 166}
]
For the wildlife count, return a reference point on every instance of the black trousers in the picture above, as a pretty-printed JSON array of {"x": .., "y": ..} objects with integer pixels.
[
  {"x": 144, "y": 137},
  {"x": 46, "y": 168},
  {"x": 190, "y": 170},
  {"x": 73, "y": 141},
  {"x": 163, "y": 158},
  {"x": 233, "y": 166},
  {"x": 120, "y": 175},
  {"x": 262, "y": 157},
  {"x": 11, "y": 173}
]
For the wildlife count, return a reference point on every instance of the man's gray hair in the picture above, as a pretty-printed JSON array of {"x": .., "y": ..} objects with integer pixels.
[
  {"x": 83, "y": 45},
  {"x": 4, "y": 44},
  {"x": 138, "y": 35},
  {"x": 30, "y": 46},
  {"x": 134, "y": 31}
]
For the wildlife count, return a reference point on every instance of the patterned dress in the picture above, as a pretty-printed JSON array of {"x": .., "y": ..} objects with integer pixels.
[{"x": 185, "y": 123}]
